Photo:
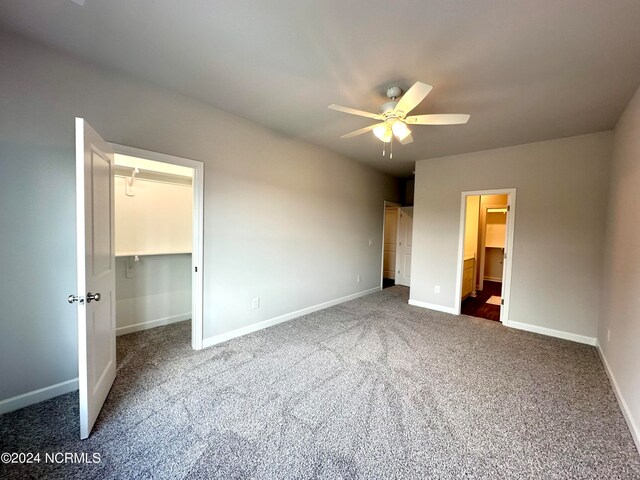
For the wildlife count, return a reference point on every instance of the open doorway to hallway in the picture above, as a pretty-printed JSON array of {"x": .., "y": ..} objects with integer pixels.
[{"x": 483, "y": 283}]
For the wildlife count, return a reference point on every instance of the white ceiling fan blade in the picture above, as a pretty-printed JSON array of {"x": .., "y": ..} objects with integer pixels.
[
  {"x": 353, "y": 111},
  {"x": 413, "y": 97},
  {"x": 361, "y": 131},
  {"x": 438, "y": 119},
  {"x": 406, "y": 140}
]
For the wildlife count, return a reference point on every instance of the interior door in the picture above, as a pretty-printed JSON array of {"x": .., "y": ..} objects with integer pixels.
[
  {"x": 403, "y": 249},
  {"x": 96, "y": 273},
  {"x": 504, "y": 260}
]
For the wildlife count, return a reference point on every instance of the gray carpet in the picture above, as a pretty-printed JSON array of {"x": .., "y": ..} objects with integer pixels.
[{"x": 372, "y": 388}]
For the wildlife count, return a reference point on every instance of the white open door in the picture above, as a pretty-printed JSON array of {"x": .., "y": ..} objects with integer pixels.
[
  {"x": 506, "y": 256},
  {"x": 96, "y": 273},
  {"x": 403, "y": 249}
]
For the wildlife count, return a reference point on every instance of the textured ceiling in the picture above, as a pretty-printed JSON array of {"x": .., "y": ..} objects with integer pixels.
[{"x": 524, "y": 70}]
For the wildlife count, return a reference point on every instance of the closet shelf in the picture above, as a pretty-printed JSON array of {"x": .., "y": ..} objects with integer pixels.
[{"x": 147, "y": 254}]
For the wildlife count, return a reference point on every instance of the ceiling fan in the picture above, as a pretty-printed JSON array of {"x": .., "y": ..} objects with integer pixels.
[{"x": 393, "y": 117}]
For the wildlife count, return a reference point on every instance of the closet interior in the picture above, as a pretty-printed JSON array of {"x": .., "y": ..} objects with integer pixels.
[{"x": 153, "y": 241}]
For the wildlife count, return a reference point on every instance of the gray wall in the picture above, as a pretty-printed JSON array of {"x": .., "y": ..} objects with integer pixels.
[
  {"x": 284, "y": 220},
  {"x": 619, "y": 330},
  {"x": 159, "y": 289},
  {"x": 559, "y": 226}
]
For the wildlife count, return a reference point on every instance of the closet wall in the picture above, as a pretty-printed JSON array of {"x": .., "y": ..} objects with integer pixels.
[
  {"x": 153, "y": 216},
  {"x": 158, "y": 292},
  {"x": 495, "y": 234}
]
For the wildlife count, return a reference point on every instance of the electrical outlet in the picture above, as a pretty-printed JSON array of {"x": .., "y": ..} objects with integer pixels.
[
  {"x": 436, "y": 289},
  {"x": 358, "y": 278},
  {"x": 256, "y": 302},
  {"x": 608, "y": 334},
  {"x": 371, "y": 242}
]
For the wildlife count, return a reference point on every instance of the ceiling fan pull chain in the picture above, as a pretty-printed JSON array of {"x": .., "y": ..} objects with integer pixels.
[
  {"x": 383, "y": 154},
  {"x": 391, "y": 154}
]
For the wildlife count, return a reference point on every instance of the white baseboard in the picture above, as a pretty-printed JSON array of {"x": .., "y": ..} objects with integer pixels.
[
  {"x": 574, "y": 337},
  {"x": 136, "y": 327},
  {"x": 433, "y": 306},
  {"x": 36, "y": 396},
  {"x": 223, "y": 337},
  {"x": 493, "y": 279},
  {"x": 626, "y": 413}
]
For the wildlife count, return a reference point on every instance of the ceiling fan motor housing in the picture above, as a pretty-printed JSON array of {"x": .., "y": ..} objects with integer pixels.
[
  {"x": 388, "y": 107},
  {"x": 394, "y": 92}
]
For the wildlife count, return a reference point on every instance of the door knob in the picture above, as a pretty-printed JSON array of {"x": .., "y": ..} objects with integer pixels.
[
  {"x": 93, "y": 296},
  {"x": 75, "y": 298}
]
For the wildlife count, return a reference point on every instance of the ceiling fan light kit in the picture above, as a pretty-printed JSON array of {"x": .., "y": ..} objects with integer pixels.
[
  {"x": 400, "y": 130},
  {"x": 383, "y": 132},
  {"x": 394, "y": 119}
]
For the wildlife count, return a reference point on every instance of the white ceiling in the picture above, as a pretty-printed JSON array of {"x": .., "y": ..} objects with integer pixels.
[{"x": 524, "y": 70}]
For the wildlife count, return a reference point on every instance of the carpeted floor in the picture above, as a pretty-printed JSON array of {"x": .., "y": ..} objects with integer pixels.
[{"x": 373, "y": 388}]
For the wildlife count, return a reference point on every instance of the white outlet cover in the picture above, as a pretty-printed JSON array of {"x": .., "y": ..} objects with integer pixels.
[{"x": 436, "y": 289}]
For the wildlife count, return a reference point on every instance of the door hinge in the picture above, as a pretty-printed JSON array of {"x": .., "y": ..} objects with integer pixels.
[
  {"x": 196, "y": 269},
  {"x": 508, "y": 208},
  {"x": 502, "y": 301}
]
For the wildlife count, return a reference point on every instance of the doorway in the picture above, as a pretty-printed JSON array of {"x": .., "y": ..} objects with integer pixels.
[
  {"x": 389, "y": 242},
  {"x": 153, "y": 210},
  {"x": 396, "y": 245},
  {"x": 486, "y": 240},
  {"x": 159, "y": 229}
]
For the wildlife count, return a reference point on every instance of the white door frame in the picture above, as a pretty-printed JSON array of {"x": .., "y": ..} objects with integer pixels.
[
  {"x": 386, "y": 204},
  {"x": 197, "y": 331},
  {"x": 511, "y": 216}
]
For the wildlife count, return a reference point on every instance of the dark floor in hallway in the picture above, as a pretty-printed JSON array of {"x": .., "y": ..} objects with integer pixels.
[{"x": 478, "y": 306}]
